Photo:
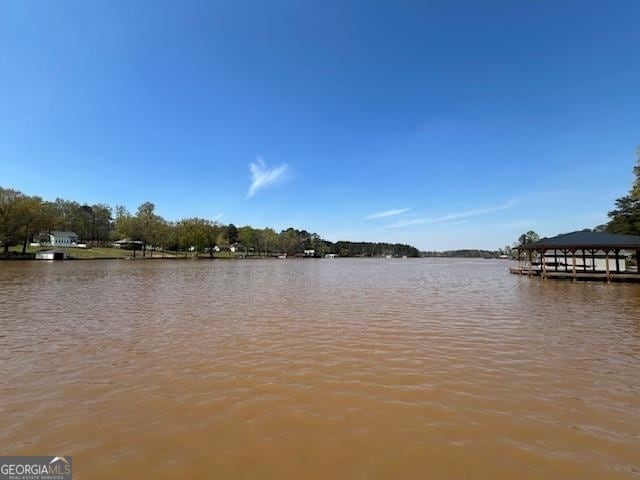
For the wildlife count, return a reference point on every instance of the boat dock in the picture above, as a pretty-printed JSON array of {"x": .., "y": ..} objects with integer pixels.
[
  {"x": 584, "y": 255},
  {"x": 578, "y": 276}
]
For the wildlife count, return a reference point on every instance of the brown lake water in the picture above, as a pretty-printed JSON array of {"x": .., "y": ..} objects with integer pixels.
[{"x": 319, "y": 369}]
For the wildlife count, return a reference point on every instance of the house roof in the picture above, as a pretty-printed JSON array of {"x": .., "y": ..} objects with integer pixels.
[
  {"x": 586, "y": 239},
  {"x": 61, "y": 233},
  {"x": 128, "y": 240}
]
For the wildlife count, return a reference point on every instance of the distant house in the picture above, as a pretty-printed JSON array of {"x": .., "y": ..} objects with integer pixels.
[
  {"x": 58, "y": 238},
  {"x": 330, "y": 255},
  {"x": 237, "y": 248},
  {"x": 309, "y": 253},
  {"x": 128, "y": 244}
]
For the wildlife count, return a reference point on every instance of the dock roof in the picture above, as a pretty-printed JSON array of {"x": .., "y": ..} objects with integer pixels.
[{"x": 585, "y": 239}]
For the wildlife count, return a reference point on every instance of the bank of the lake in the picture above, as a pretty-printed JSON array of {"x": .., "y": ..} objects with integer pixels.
[{"x": 111, "y": 253}]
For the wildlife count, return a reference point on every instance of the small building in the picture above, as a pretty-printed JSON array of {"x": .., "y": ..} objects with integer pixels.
[
  {"x": 331, "y": 255},
  {"x": 51, "y": 255},
  {"x": 58, "y": 238},
  {"x": 586, "y": 255},
  {"x": 129, "y": 244},
  {"x": 310, "y": 253}
]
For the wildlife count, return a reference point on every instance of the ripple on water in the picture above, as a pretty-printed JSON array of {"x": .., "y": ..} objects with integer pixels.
[{"x": 315, "y": 369}]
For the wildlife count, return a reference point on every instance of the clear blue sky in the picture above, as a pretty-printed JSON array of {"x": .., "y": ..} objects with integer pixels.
[{"x": 453, "y": 124}]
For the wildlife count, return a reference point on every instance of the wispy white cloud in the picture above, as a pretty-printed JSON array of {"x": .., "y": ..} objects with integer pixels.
[
  {"x": 217, "y": 217},
  {"x": 451, "y": 216},
  {"x": 262, "y": 176},
  {"x": 387, "y": 213},
  {"x": 408, "y": 223}
]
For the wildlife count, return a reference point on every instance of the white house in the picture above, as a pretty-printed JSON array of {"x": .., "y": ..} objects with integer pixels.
[{"x": 58, "y": 238}]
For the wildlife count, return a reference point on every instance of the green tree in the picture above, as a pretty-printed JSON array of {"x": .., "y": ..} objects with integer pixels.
[
  {"x": 289, "y": 241},
  {"x": 31, "y": 213},
  {"x": 635, "y": 188},
  {"x": 247, "y": 237},
  {"x": 318, "y": 245},
  {"x": 266, "y": 240},
  {"x": 10, "y": 221},
  {"x": 124, "y": 225},
  {"x": 150, "y": 228},
  {"x": 213, "y": 232},
  {"x": 62, "y": 213},
  {"x": 529, "y": 237},
  {"x": 193, "y": 234},
  {"x": 625, "y": 217},
  {"x": 232, "y": 234},
  {"x": 102, "y": 223},
  {"x": 222, "y": 239}
]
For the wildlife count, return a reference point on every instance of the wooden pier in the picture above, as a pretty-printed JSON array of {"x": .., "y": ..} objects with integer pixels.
[{"x": 578, "y": 276}]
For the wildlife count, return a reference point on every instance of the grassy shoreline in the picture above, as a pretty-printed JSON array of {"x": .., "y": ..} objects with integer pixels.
[{"x": 111, "y": 253}]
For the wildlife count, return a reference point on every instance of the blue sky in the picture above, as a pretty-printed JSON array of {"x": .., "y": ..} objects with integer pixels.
[{"x": 450, "y": 124}]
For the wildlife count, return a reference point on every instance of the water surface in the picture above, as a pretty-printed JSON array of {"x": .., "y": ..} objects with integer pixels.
[{"x": 318, "y": 369}]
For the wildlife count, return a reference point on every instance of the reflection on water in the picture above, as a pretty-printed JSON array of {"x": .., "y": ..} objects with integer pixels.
[{"x": 318, "y": 369}]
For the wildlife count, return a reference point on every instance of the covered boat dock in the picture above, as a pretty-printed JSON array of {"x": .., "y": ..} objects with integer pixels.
[{"x": 581, "y": 256}]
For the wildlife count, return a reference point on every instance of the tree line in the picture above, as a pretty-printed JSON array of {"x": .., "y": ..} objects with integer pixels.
[
  {"x": 465, "y": 253},
  {"x": 23, "y": 217}
]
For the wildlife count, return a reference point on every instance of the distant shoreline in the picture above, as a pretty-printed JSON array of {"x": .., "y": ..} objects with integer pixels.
[{"x": 31, "y": 257}]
